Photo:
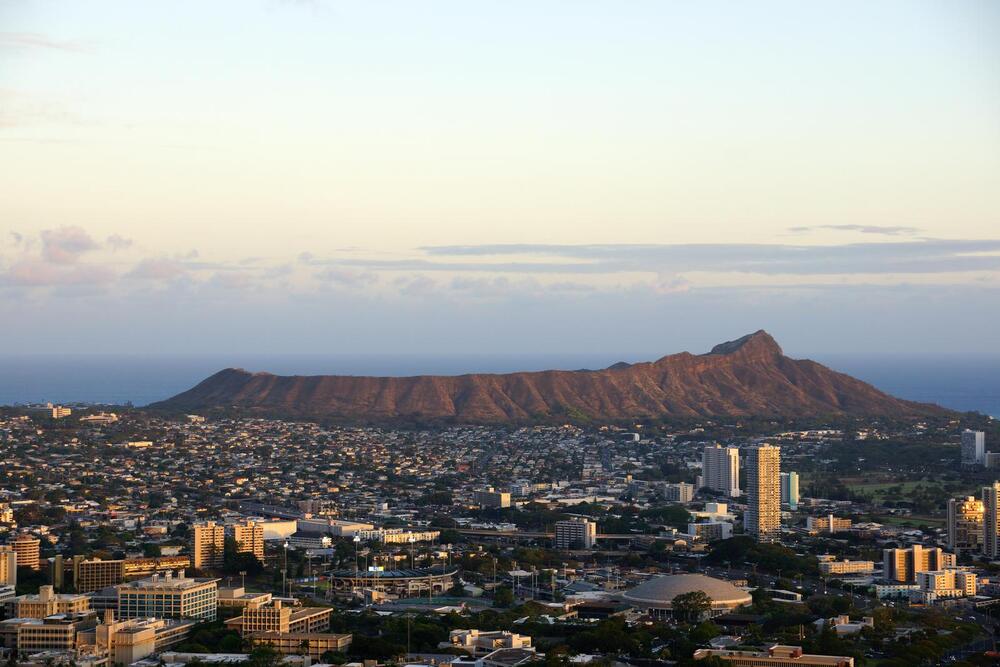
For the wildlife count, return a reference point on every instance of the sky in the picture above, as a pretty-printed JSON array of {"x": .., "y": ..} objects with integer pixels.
[{"x": 498, "y": 177}]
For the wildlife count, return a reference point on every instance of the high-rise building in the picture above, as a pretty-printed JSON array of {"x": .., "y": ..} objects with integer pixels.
[
  {"x": 208, "y": 545},
  {"x": 762, "y": 519},
  {"x": 577, "y": 533},
  {"x": 965, "y": 524},
  {"x": 27, "y": 548},
  {"x": 973, "y": 447},
  {"x": 903, "y": 565},
  {"x": 790, "y": 490},
  {"x": 720, "y": 469},
  {"x": 8, "y": 565},
  {"x": 991, "y": 520},
  {"x": 249, "y": 537}
]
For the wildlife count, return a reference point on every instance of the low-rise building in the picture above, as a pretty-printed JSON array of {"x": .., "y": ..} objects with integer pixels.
[
  {"x": 278, "y": 617},
  {"x": 478, "y": 643},
  {"x": 774, "y": 656},
  {"x": 46, "y": 603},
  {"x": 829, "y": 566},
  {"x": 827, "y": 524},
  {"x": 169, "y": 597}
]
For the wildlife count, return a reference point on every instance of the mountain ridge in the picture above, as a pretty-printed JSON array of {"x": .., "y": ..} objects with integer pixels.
[{"x": 746, "y": 376}]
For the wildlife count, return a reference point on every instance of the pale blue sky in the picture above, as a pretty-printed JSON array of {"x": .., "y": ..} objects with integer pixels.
[{"x": 419, "y": 176}]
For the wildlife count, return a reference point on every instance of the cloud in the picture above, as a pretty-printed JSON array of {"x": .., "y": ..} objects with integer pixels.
[
  {"x": 118, "y": 242},
  {"x": 864, "y": 229},
  {"x": 415, "y": 285},
  {"x": 158, "y": 269},
  {"x": 36, "y": 273},
  {"x": 924, "y": 256},
  {"x": 347, "y": 277},
  {"x": 65, "y": 244},
  {"x": 34, "y": 40}
]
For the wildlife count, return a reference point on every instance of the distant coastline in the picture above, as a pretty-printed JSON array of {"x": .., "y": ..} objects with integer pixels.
[{"x": 957, "y": 382}]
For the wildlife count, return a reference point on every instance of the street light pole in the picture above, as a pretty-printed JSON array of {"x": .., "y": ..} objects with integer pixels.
[{"x": 284, "y": 572}]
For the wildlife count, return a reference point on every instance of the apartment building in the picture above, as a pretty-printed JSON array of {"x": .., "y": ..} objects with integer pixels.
[
  {"x": 965, "y": 524},
  {"x": 762, "y": 519},
  {"x": 27, "y": 549},
  {"x": 680, "y": 492},
  {"x": 827, "y": 524},
  {"x": 491, "y": 498},
  {"x": 711, "y": 531},
  {"x": 208, "y": 545},
  {"x": 8, "y": 566},
  {"x": 903, "y": 565},
  {"x": 576, "y": 533},
  {"x": 830, "y": 566},
  {"x": 949, "y": 583},
  {"x": 720, "y": 469}
]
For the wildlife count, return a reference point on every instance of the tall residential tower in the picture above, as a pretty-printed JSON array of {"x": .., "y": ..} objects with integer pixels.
[
  {"x": 762, "y": 519},
  {"x": 720, "y": 469}
]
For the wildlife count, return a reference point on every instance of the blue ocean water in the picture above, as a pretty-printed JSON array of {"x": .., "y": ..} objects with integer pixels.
[{"x": 960, "y": 383}]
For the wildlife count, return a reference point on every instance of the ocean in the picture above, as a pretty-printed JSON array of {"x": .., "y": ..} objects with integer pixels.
[{"x": 957, "y": 382}]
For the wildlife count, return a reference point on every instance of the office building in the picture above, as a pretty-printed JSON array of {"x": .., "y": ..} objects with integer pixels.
[
  {"x": 169, "y": 596},
  {"x": 965, "y": 524},
  {"x": 27, "y": 549},
  {"x": 53, "y": 633},
  {"x": 903, "y": 565},
  {"x": 681, "y": 492},
  {"x": 973, "y": 447},
  {"x": 129, "y": 640},
  {"x": 208, "y": 545},
  {"x": 790, "y": 490},
  {"x": 241, "y": 598},
  {"x": 8, "y": 565},
  {"x": 277, "y": 617},
  {"x": 313, "y": 644},
  {"x": 46, "y": 603},
  {"x": 93, "y": 574},
  {"x": 827, "y": 524},
  {"x": 577, "y": 533},
  {"x": 762, "y": 519},
  {"x": 991, "y": 520},
  {"x": 720, "y": 469},
  {"x": 491, "y": 498}
]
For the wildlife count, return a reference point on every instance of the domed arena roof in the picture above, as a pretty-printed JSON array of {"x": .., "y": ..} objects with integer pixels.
[{"x": 659, "y": 592}]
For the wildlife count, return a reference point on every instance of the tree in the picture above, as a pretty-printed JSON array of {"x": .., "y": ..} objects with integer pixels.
[
  {"x": 503, "y": 597},
  {"x": 264, "y": 656},
  {"x": 691, "y": 606}
]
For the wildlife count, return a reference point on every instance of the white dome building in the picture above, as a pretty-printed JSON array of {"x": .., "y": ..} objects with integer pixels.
[{"x": 656, "y": 595}]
